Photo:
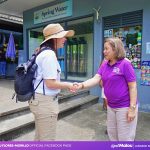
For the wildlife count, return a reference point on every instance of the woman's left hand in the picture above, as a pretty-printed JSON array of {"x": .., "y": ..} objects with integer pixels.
[{"x": 131, "y": 114}]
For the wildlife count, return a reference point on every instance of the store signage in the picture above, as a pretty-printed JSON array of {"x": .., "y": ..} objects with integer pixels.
[{"x": 53, "y": 12}]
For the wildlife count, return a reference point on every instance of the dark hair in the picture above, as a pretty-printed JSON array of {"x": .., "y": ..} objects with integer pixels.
[{"x": 49, "y": 43}]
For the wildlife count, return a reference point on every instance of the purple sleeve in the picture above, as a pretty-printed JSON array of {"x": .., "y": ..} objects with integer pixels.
[
  {"x": 99, "y": 71},
  {"x": 129, "y": 72},
  {"x": 101, "y": 67}
]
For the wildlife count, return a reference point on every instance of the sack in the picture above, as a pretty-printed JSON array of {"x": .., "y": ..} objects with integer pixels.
[{"x": 24, "y": 80}]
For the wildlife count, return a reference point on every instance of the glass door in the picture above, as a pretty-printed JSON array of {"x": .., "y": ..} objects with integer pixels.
[{"x": 80, "y": 49}]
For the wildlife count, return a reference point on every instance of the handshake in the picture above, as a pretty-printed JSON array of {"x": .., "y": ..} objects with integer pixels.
[{"x": 76, "y": 86}]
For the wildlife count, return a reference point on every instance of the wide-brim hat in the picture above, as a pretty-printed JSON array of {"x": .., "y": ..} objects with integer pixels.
[{"x": 53, "y": 31}]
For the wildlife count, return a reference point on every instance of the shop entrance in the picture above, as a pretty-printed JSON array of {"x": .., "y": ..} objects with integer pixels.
[{"x": 8, "y": 64}]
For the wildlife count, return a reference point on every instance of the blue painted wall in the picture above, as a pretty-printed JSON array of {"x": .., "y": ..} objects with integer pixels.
[{"x": 108, "y": 8}]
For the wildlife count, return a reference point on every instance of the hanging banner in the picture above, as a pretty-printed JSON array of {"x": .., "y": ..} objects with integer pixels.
[
  {"x": 145, "y": 73},
  {"x": 53, "y": 12}
]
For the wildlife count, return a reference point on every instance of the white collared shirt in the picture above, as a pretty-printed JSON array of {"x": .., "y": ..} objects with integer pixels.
[{"x": 48, "y": 68}]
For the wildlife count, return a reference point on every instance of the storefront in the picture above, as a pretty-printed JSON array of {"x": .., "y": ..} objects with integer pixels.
[
  {"x": 8, "y": 64},
  {"x": 94, "y": 21}
]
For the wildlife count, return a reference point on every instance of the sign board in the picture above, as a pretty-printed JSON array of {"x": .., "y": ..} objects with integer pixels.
[{"x": 60, "y": 10}]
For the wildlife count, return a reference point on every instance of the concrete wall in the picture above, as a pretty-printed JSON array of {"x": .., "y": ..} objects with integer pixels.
[{"x": 108, "y": 8}]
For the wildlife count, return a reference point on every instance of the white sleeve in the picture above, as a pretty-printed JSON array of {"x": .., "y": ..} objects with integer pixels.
[{"x": 49, "y": 66}]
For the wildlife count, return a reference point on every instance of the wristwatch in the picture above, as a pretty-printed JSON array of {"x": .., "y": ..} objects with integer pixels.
[{"x": 132, "y": 107}]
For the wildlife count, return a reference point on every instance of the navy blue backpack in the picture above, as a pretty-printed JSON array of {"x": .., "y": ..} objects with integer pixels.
[{"x": 24, "y": 79}]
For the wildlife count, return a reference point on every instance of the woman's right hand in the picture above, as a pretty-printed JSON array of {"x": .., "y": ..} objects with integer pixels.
[
  {"x": 76, "y": 86},
  {"x": 79, "y": 86},
  {"x": 73, "y": 87}
]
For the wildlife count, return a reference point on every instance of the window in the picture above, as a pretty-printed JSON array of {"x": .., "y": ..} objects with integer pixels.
[
  {"x": 128, "y": 27},
  {"x": 132, "y": 39},
  {"x": 80, "y": 50},
  {"x": 35, "y": 39}
]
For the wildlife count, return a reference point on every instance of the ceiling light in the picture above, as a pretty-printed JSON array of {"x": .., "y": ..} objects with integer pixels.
[{"x": 11, "y": 18}]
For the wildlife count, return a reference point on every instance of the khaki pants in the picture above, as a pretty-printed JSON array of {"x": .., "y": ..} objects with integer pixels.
[
  {"x": 117, "y": 126},
  {"x": 45, "y": 110}
]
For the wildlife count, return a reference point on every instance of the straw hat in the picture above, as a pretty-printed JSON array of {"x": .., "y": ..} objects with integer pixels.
[{"x": 52, "y": 31}]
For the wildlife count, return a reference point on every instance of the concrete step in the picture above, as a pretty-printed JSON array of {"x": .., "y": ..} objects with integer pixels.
[
  {"x": 16, "y": 123},
  {"x": 67, "y": 96},
  {"x": 10, "y": 110},
  {"x": 69, "y": 107},
  {"x": 12, "y": 126},
  {"x": 14, "y": 113}
]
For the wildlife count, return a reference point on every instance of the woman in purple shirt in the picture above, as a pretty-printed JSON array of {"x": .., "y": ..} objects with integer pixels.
[{"x": 120, "y": 88}]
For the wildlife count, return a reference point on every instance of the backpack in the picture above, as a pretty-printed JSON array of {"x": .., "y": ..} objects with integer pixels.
[{"x": 24, "y": 79}]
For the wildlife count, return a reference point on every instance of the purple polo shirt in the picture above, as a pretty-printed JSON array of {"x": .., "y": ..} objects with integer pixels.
[{"x": 115, "y": 82}]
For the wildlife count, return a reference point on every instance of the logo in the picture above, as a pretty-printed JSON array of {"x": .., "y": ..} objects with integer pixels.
[{"x": 116, "y": 70}]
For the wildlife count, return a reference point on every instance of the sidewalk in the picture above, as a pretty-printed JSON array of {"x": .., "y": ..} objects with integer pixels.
[
  {"x": 87, "y": 124},
  {"x": 6, "y": 102}
]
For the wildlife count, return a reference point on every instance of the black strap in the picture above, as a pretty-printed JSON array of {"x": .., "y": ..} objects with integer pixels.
[
  {"x": 43, "y": 88},
  {"x": 38, "y": 85},
  {"x": 36, "y": 88},
  {"x": 41, "y": 50}
]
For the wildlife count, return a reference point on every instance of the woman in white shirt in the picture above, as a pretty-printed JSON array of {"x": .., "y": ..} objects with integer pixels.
[{"x": 45, "y": 105}]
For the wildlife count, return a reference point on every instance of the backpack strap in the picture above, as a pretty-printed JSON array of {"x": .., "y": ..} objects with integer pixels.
[
  {"x": 36, "y": 54},
  {"x": 41, "y": 50},
  {"x": 38, "y": 85},
  {"x": 36, "y": 88},
  {"x": 43, "y": 89}
]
